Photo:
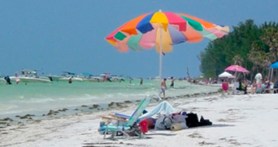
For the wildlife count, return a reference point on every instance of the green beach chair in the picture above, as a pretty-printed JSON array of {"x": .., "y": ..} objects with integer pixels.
[{"x": 125, "y": 125}]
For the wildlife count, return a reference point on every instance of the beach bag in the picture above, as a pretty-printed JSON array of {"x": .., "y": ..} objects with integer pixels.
[
  {"x": 179, "y": 118},
  {"x": 204, "y": 122},
  {"x": 179, "y": 121},
  {"x": 192, "y": 120},
  {"x": 163, "y": 122}
]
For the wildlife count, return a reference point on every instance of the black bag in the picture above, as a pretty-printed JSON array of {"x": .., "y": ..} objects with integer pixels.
[
  {"x": 192, "y": 120},
  {"x": 205, "y": 122}
]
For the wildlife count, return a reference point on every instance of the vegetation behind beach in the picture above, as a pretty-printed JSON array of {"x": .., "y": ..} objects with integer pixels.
[{"x": 252, "y": 46}]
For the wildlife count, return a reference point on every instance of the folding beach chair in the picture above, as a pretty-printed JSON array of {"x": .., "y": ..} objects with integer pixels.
[{"x": 124, "y": 125}]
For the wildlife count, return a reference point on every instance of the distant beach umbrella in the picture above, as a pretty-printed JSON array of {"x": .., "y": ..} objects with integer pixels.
[
  {"x": 274, "y": 65},
  {"x": 236, "y": 68},
  {"x": 225, "y": 75},
  {"x": 161, "y": 30}
]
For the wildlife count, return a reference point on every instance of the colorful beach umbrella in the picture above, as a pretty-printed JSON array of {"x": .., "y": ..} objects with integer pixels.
[
  {"x": 161, "y": 30},
  {"x": 236, "y": 68}
]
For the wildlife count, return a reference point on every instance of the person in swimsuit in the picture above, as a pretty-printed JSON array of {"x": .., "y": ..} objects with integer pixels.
[{"x": 163, "y": 87}]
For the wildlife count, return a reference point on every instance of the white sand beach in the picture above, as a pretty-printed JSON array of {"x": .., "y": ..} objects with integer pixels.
[{"x": 238, "y": 120}]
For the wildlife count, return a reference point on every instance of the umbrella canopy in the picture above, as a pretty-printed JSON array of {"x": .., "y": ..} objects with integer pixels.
[
  {"x": 225, "y": 75},
  {"x": 236, "y": 68},
  {"x": 162, "y": 30},
  {"x": 274, "y": 65}
]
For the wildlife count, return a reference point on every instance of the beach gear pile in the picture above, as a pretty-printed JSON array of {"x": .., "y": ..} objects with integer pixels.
[
  {"x": 177, "y": 121},
  {"x": 161, "y": 117}
]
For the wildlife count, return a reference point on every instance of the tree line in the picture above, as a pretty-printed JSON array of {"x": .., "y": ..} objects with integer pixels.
[{"x": 249, "y": 45}]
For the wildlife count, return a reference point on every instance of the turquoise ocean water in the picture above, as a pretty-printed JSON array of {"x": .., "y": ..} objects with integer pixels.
[{"x": 39, "y": 98}]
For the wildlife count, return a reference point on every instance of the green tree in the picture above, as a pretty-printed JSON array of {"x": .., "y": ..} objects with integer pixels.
[
  {"x": 270, "y": 38},
  {"x": 248, "y": 45},
  {"x": 235, "y": 46}
]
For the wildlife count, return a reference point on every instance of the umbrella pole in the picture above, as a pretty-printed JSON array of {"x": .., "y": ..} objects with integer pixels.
[
  {"x": 160, "y": 65},
  {"x": 160, "y": 53},
  {"x": 271, "y": 75}
]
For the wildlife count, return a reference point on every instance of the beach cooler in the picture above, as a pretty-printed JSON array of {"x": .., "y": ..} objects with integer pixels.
[{"x": 144, "y": 127}]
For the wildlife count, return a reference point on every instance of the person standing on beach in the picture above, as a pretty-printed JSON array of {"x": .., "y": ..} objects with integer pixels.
[
  {"x": 258, "y": 78},
  {"x": 225, "y": 86},
  {"x": 172, "y": 82},
  {"x": 163, "y": 87}
]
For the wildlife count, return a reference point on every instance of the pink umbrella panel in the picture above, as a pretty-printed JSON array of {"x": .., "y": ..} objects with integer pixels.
[{"x": 236, "y": 68}]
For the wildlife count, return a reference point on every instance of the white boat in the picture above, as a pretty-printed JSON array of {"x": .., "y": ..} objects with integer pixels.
[
  {"x": 115, "y": 78},
  {"x": 96, "y": 78},
  {"x": 54, "y": 77},
  {"x": 70, "y": 76},
  {"x": 29, "y": 76}
]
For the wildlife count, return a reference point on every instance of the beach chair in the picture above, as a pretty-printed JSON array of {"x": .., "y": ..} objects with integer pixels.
[{"x": 123, "y": 124}]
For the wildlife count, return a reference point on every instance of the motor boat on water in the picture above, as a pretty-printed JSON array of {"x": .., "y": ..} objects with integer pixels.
[
  {"x": 29, "y": 76},
  {"x": 70, "y": 76}
]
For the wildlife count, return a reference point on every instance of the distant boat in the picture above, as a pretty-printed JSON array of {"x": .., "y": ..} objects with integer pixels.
[
  {"x": 91, "y": 78},
  {"x": 115, "y": 78},
  {"x": 66, "y": 76},
  {"x": 72, "y": 78},
  {"x": 54, "y": 77},
  {"x": 29, "y": 76}
]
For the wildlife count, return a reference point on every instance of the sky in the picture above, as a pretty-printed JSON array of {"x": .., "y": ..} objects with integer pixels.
[{"x": 53, "y": 36}]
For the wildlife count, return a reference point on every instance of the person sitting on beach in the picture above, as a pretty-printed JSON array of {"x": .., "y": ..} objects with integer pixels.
[
  {"x": 267, "y": 87},
  {"x": 259, "y": 88},
  {"x": 242, "y": 86},
  {"x": 253, "y": 87}
]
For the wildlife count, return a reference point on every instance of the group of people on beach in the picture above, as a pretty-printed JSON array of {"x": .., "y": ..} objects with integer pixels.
[{"x": 245, "y": 86}]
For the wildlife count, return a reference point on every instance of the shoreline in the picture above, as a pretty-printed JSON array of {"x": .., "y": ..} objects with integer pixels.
[{"x": 24, "y": 119}]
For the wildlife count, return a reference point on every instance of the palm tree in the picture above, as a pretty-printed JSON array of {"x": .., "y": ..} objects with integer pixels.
[{"x": 270, "y": 38}]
